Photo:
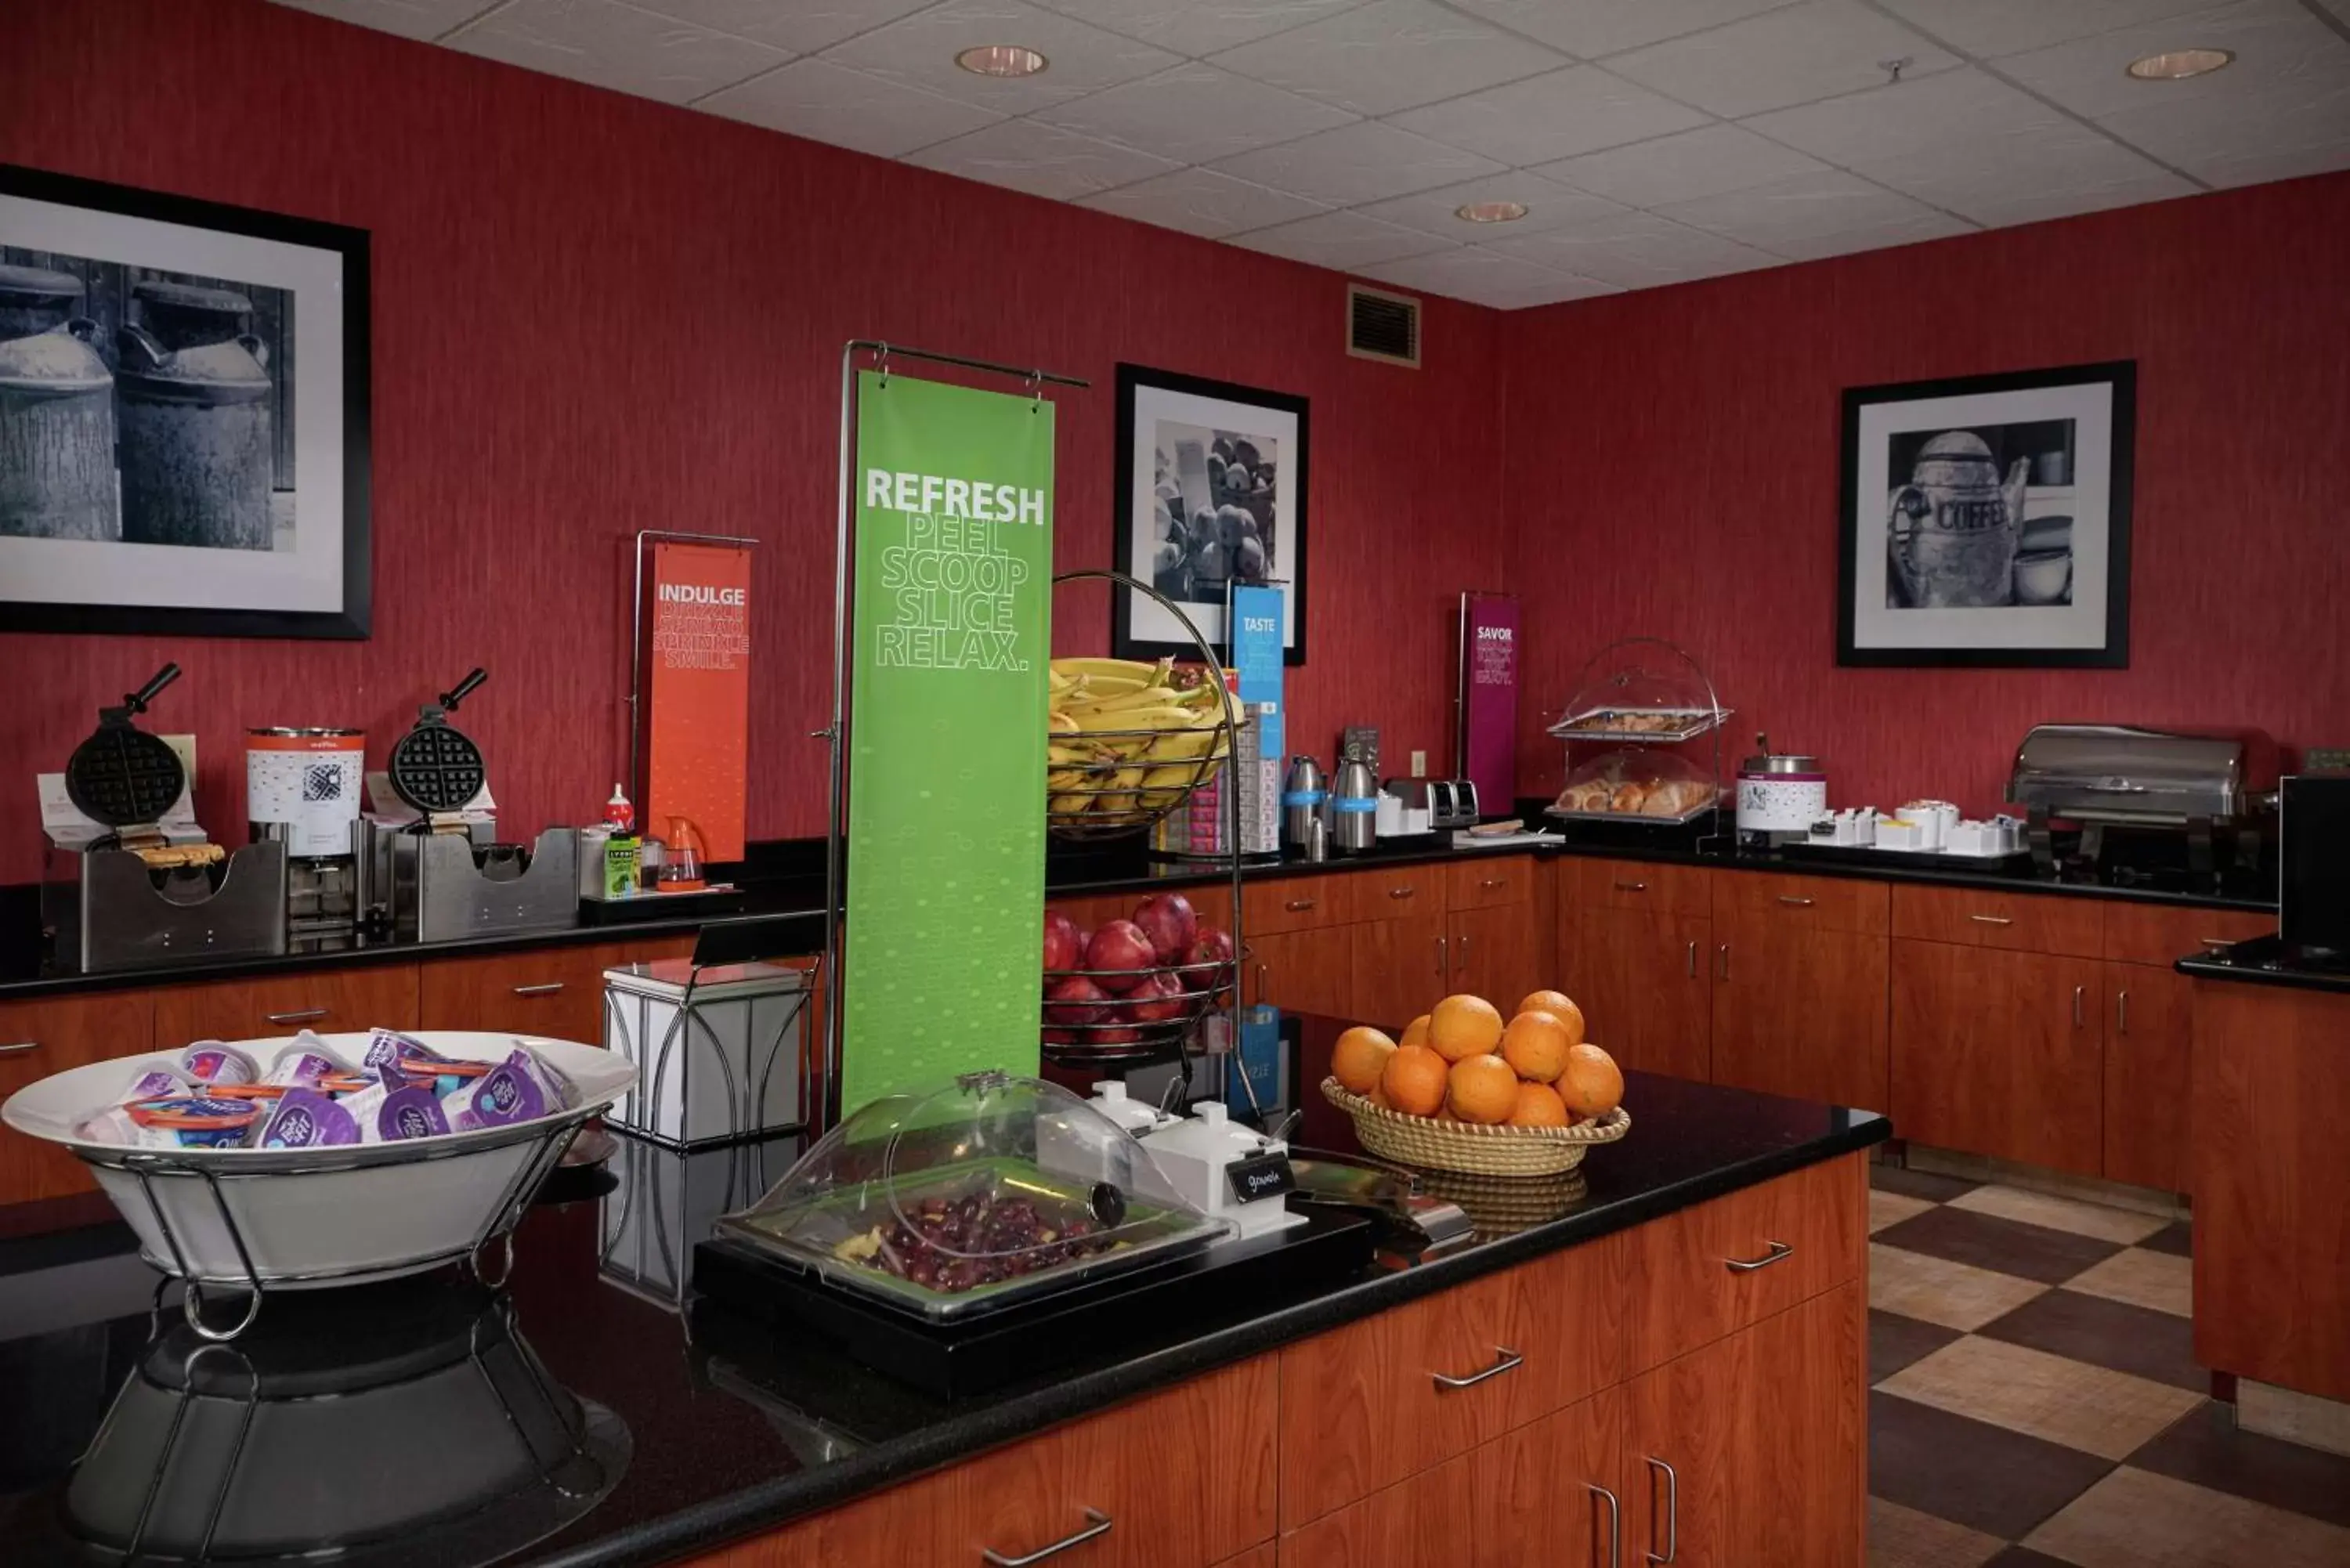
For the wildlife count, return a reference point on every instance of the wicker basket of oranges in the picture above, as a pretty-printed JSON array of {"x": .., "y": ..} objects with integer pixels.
[{"x": 1465, "y": 1090}]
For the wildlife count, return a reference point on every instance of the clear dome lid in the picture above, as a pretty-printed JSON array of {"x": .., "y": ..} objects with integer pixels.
[
  {"x": 982, "y": 1191},
  {"x": 1640, "y": 690}
]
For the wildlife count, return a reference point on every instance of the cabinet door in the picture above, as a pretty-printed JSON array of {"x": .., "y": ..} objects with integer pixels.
[
  {"x": 2150, "y": 1026},
  {"x": 1305, "y": 972},
  {"x": 38, "y": 1038},
  {"x": 1498, "y": 954},
  {"x": 1475, "y": 884},
  {"x": 1749, "y": 1452},
  {"x": 553, "y": 991},
  {"x": 1422, "y": 1522},
  {"x": 1645, "y": 982},
  {"x": 1392, "y": 892},
  {"x": 325, "y": 1000},
  {"x": 1551, "y": 1495},
  {"x": 2000, "y": 1053},
  {"x": 1401, "y": 969},
  {"x": 1800, "y": 1010}
]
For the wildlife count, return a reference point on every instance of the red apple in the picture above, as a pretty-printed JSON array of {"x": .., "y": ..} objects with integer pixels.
[
  {"x": 1120, "y": 945},
  {"x": 1168, "y": 921},
  {"x": 1157, "y": 1000},
  {"x": 1056, "y": 1036},
  {"x": 1119, "y": 1036},
  {"x": 1209, "y": 962},
  {"x": 1074, "y": 999},
  {"x": 1063, "y": 943}
]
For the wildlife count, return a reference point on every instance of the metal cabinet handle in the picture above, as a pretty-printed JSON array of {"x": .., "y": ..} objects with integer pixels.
[
  {"x": 1402, "y": 892},
  {"x": 1504, "y": 1360},
  {"x": 1494, "y": 882},
  {"x": 1260, "y": 983},
  {"x": 1792, "y": 902},
  {"x": 544, "y": 988},
  {"x": 1615, "y": 1524},
  {"x": 1443, "y": 960},
  {"x": 1631, "y": 887},
  {"x": 1672, "y": 1514},
  {"x": 2121, "y": 1011},
  {"x": 1721, "y": 967},
  {"x": 1778, "y": 1252},
  {"x": 1097, "y": 1524},
  {"x": 2078, "y": 993},
  {"x": 2215, "y": 942},
  {"x": 300, "y": 1015},
  {"x": 1692, "y": 961},
  {"x": 1298, "y": 906},
  {"x": 17, "y": 1047},
  {"x": 1992, "y": 920}
]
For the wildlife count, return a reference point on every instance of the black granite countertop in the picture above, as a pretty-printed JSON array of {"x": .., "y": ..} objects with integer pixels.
[
  {"x": 2268, "y": 960},
  {"x": 575, "y": 1418}
]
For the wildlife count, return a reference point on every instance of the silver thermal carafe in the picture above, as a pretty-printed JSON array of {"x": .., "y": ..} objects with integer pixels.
[
  {"x": 1354, "y": 806},
  {"x": 1301, "y": 800}
]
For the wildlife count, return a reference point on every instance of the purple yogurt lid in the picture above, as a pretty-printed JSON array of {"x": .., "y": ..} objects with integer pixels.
[
  {"x": 308, "y": 1120},
  {"x": 410, "y": 1113}
]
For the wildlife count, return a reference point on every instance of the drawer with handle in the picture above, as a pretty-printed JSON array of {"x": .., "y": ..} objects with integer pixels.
[
  {"x": 1590, "y": 882},
  {"x": 38, "y": 1038},
  {"x": 1826, "y": 903},
  {"x": 2164, "y": 933},
  {"x": 1392, "y": 893},
  {"x": 1487, "y": 884},
  {"x": 2020, "y": 922},
  {"x": 1293, "y": 904},
  {"x": 327, "y": 1001}
]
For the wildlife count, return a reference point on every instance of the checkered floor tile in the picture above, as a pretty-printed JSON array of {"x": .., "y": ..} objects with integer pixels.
[{"x": 2034, "y": 1398}]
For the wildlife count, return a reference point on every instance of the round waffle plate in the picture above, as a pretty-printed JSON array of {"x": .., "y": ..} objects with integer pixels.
[
  {"x": 435, "y": 768},
  {"x": 122, "y": 777}
]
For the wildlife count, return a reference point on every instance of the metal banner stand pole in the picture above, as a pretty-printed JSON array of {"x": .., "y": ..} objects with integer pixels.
[{"x": 835, "y": 734}]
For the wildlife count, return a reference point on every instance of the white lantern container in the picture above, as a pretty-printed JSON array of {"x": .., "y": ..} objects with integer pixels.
[{"x": 719, "y": 1050}]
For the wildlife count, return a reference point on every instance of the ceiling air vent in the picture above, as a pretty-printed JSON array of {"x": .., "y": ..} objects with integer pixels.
[{"x": 1382, "y": 326}]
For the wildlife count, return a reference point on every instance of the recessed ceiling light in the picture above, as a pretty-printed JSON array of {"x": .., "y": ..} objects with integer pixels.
[
  {"x": 1491, "y": 211},
  {"x": 2176, "y": 64},
  {"x": 1002, "y": 60}
]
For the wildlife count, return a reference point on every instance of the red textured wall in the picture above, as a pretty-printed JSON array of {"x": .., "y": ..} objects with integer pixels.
[
  {"x": 1672, "y": 462},
  {"x": 595, "y": 315}
]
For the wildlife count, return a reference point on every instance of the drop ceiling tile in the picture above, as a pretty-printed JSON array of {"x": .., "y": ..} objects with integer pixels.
[
  {"x": 1486, "y": 277},
  {"x": 1041, "y": 160},
  {"x": 1636, "y": 250},
  {"x": 409, "y": 18},
  {"x": 1199, "y": 26},
  {"x": 1203, "y": 202},
  {"x": 1685, "y": 167},
  {"x": 609, "y": 45},
  {"x": 2275, "y": 134},
  {"x": 802, "y": 26},
  {"x": 828, "y": 102},
  {"x": 1341, "y": 239},
  {"x": 1390, "y": 55},
  {"x": 1548, "y": 204},
  {"x": 2281, "y": 49},
  {"x": 920, "y": 50},
  {"x": 1367, "y": 162},
  {"x": 1194, "y": 113},
  {"x": 1953, "y": 112},
  {"x": 1988, "y": 28},
  {"x": 1590, "y": 28},
  {"x": 1555, "y": 115},
  {"x": 1928, "y": 224},
  {"x": 1806, "y": 208},
  {"x": 1785, "y": 57}
]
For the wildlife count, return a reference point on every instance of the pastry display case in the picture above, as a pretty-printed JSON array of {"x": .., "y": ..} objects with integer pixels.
[{"x": 1643, "y": 736}]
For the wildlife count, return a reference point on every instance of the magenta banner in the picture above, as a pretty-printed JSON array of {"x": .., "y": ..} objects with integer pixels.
[{"x": 1488, "y": 699}]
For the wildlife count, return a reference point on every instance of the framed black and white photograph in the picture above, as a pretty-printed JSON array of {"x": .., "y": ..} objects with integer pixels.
[
  {"x": 1986, "y": 520},
  {"x": 1211, "y": 492},
  {"x": 184, "y": 415}
]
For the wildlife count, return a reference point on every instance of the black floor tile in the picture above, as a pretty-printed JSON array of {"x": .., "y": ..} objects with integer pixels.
[
  {"x": 2132, "y": 1339},
  {"x": 2024, "y": 1557},
  {"x": 2005, "y": 1246},
  {"x": 2205, "y": 1448},
  {"x": 1970, "y": 1472},
  {"x": 1919, "y": 1183},
  {"x": 1894, "y": 1342},
  {"x": 2176, "y": 1239}
]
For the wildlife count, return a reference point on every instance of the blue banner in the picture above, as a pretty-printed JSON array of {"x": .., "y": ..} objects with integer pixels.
[{"x": 1256, "y": 654}]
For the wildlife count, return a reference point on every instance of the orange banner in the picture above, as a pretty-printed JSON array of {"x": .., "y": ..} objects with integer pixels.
[{"x": 698, "y": 714}]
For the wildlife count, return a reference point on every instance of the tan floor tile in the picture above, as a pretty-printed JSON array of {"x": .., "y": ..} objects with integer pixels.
[
  {"x": 1902, "y": 1537},
  {"x": 1935, "y": 1290},
  {"x": 2309, "y": 1419},
  {"x": 2061, "y": 1214},
  {"x": 2156, "y": 1280},
  {"x": 2090, "y": 1409},
  {"x": 2135, "y": 1519},
  {"x": 1891, "y": 1209}
]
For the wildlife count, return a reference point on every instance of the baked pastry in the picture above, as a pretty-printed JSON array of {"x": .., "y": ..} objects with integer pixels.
[
  {"x": 1591, "y": 794},
  {"x": 1630, "y": 797}
]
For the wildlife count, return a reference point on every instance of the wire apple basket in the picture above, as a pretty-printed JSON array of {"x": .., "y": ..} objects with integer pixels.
[
  {"x": 1144, "y": 1012},
  {"x": 1106, "y": 777}
]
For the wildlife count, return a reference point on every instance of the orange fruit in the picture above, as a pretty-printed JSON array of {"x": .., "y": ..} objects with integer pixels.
[
  {"x": 1462, "y": 1026},
  {"x": 1416, "y": 1032},
  {"x": 1482, "y": 1089},
  {"x": 1536, "y": 1045},
  {"x": 1414, "y": 1080},
  {"x": 1379, "y": 1096},
  {"x": 1538, "y": 1107},
  {"x": 1559, "y": 1005},
  {"x": 1592, "y": 1085},
  {"x": 1360, "y": 1057}
]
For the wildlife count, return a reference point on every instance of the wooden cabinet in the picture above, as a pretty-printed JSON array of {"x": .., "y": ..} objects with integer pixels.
[
  {"x": 1401, "y": 968},
  {"x": 1305, "y": 972},
  {"x": 1551, "y": 1495},
  {"x": 2149, "y": 1023},
  {"x": 1388, "y": 893},
  {"x": 326, "y": 1000},
  {"x": 1749, "y": 1452},
  {"x": 1799, "y": 1009},
  {"x": 1293, "y": 904},
  {"x": 1999, "y": 1053},
  {"x": 38, "y": 1038},
  {"x": 2020, "y": 922},
  {"x": 1496, "y": 953},
  {"x": 555, "y": 991},
  {"x": 1645, "y": 982},
  {"x": 1821, "y": 903},
  {"x": 1422, "y": 1523},
  {"x": 1266, "y": 1554},
  {"x": 2161, "y": 934},
  {"x": 1591, "y": 883},
  {"x": 2271, "y": 1087},
  {"x": 1481, "y": 884}
]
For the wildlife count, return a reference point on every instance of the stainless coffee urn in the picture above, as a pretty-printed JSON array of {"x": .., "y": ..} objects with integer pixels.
[
  {"x": 1354, "y": 806},
  {"x": 1301, "y": 801}
]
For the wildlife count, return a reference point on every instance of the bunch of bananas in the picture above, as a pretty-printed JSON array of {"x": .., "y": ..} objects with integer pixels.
[{"x": 1130, "y": 737}]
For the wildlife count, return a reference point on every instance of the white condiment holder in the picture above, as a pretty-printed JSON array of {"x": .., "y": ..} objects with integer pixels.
[{"x": 1196, "y": 1154}]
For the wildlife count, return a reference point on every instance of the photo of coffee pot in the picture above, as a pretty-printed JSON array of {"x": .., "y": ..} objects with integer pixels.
[{"x": 1951, "y": 531}]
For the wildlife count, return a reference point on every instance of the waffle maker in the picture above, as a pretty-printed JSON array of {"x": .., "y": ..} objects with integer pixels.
[
  {"x": 436, "y": 768},
  {"x": 124, "y": 778}
]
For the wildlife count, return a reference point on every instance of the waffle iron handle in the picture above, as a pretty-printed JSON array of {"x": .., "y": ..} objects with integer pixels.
[
  {"x": 136, "y": 701},
  {"x": 449, "y": 698}
]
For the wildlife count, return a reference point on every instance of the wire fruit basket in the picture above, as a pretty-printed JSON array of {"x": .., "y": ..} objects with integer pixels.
[{"x": 1144, "y": 1014}]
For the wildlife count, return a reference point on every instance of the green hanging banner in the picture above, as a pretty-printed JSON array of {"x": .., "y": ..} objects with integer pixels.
[{"x": 946, "y": 763}]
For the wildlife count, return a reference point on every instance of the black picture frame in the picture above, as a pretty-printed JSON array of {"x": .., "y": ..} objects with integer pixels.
[
  {"x": 1289, "y": 525},
  {"x": 353, "y": 619},
  {"x": 2118, "y": 382}
]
